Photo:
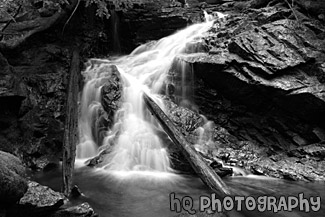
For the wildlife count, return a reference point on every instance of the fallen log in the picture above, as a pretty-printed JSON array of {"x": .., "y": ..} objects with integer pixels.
[
  {"x": 206, "y": 173},
  {"x": 71, "y": 124}
]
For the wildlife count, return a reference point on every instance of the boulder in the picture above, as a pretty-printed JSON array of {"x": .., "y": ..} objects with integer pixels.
[
  {"x": 41, "y": 197},
  {"x": 81, "y": 210},
  {"x": 43, "y": 201},
  {"x": 13, "y": 183},
  {"x": 38, "y": 201},
  {"x": 111, "y": 91}
]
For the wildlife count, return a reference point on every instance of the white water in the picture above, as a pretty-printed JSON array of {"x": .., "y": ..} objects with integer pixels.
[{"x": 136, "y": 146}]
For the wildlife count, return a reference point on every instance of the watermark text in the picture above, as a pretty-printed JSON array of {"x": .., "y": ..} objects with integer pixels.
[{"x": 239, "y": 203}]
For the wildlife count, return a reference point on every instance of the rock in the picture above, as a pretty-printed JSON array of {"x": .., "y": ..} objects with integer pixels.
[
  {"x": 13, "y": 183},
  {"x": 185, "y": 119},
  {"x": 82, "y": 210},
  {"x": 40, "y": 198},
  {"x": 316, "y": 151},
  {"x": 155, "y": 20},
  {"x": 224, "y": 171},
  {"x": 261, "y": 81},
  {"x": 213, "y": 1},
  {"x": 290, "y": 168},
  {"x": 75, "y": 192},
  {"x": 111, "y": 92},
  {"x": 33, "y": 90}
]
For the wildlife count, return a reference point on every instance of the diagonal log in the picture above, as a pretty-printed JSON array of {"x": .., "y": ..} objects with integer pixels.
[{"x": 206, "y": 173}]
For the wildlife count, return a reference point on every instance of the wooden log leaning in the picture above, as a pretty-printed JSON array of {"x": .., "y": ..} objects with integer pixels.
[
  {"x": 206, "y": 173},
  {"x": 71, "y": 124}
]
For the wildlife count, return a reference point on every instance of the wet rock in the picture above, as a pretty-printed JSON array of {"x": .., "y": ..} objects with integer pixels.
[
  {"x": 290, "y": 168},
  {"x": 215, "y": 165},
  {"x": 39, "y": 196},
  {"x": 82, "y": 210},
  {"x": 220, "y": 170},
  {"x": 75, "y": 192},
  {"x": 316, "y": 151},
  {"x": 40, "y": 199},
  {"x": 185, "y": 119},
  {"x": 224, "y": 171},
  {"x": 208, "y": 143},
  {"x": 13, "y": 183},
  {"x": 111, "y": 92}
]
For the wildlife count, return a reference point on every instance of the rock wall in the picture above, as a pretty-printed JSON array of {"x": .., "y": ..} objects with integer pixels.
[
  {"x": 153, "y": 20},
  {"x": 262, "y": 81},
  {"x": 34, "y": 95}
]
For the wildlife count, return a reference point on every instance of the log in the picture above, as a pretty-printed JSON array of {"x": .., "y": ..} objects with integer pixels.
[
  {"x": 71, "y": 124},
  {"x": 206, "y": 173}
]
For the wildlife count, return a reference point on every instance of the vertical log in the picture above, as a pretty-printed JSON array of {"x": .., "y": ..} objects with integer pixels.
[
  {"x": 71, "y": 124},
  {"x": 206, "y": 173}
]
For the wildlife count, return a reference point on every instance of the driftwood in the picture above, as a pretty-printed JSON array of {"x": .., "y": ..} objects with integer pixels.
[
  {"x": 206, "y": 173},
  {"x": 71, "y": 124}
]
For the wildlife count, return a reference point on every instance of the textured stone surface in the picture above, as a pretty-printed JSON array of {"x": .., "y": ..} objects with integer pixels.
[
  {"x": 41, "y": 197},
  {"x": 262, "y": 83},
  {"x": 111, "y": 92},
  {"x": 155, "y": 20},
  {"x": 13, "y": 183},
  {"x": 34, "y": 95},
  {"x": 81, "y": 210}
]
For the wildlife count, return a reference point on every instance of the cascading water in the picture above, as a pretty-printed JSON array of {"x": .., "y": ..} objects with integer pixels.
[
  {"x": 115, "y": 25},
  {"x": 136, "y": 146}
]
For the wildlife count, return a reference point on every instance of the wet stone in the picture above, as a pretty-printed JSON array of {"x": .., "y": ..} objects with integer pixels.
[
  {"x": 81, "y": 210},
  {"x": 40, "y": 197}
]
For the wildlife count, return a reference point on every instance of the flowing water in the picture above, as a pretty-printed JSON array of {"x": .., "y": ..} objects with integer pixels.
[
  {"x": 136, "y": 146},
  {"x": 136, "y": 179},
  {"x": 139, "y": 195}
]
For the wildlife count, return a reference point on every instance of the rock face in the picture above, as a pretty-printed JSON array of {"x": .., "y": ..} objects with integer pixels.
[
  {"x": 262, "y": 81},
  {"x": 13, "y": 183},
  {"x": 34, "y": 92},
  {"x": 153, "y": 20}
]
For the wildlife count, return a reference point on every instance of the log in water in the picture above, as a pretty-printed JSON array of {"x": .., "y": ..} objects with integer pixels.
[{"x": 207, "y": 174}]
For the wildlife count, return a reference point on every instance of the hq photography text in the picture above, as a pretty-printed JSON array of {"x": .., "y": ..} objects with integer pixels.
[{"x": 249, "y": 203}]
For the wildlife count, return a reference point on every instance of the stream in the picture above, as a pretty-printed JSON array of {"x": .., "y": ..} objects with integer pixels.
[{"x": 141, "y": 194}]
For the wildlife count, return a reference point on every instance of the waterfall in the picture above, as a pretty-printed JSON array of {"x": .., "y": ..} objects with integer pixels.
[
  {"x": 115, "y": 26},
  {"x": 132, "y": 139}
]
